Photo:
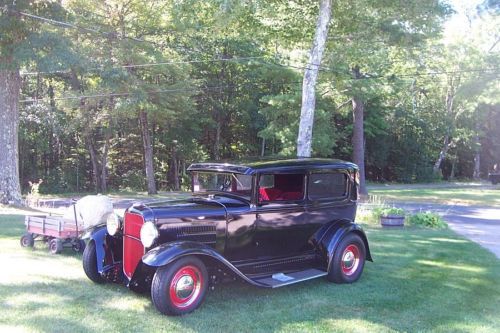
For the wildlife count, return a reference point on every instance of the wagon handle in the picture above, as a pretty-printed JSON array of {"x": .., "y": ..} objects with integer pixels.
[{"x": 73, "y": 203}]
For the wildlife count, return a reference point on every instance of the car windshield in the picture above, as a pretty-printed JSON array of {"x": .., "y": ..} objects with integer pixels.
[{"x": 223, "y": 182}]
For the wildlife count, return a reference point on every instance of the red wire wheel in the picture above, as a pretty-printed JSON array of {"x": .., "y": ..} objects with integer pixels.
[
  {"x": 185, "y": 287},
  {"x": 179, "y": 287},
  {"x": 348, "y": 260}
]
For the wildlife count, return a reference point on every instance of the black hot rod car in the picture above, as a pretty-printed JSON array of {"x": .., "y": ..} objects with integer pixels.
[{"x": 270, "y": 224}]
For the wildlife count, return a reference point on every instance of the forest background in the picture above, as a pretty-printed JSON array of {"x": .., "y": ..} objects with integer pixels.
[{"x": 125, "y": 94}]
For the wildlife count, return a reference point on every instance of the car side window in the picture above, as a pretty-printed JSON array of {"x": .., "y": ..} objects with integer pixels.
[
  {"x": 281, "y": 187},
  {"x": 327, "y": 186}
]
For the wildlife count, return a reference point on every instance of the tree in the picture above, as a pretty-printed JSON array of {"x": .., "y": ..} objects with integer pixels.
[
  {"x": 22, "y": 40},
  {"x": 304, "y": 138},
  {"x": 363, "y": 37}
]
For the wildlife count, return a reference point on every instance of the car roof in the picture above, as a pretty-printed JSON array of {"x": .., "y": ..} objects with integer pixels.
[{"x": 282, "y": 165}]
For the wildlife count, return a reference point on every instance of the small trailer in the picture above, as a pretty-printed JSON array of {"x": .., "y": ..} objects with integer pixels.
[{"x": 56, "y": 230}]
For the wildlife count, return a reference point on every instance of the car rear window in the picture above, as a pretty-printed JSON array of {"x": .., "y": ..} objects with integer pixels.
[{"x": 327, "y": 186}]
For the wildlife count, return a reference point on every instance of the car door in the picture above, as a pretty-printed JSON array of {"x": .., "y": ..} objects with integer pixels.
[{"x": 280, "y": 215}]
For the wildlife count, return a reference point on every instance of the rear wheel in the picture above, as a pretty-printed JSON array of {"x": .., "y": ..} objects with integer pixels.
[
  {"x": 55, "y": 246},
  {"x": 89, "y": 260},
  {"x": 348, "y": 260},
  {"x": 27, "y": 240},
  {"x": 179, "y": 287}
]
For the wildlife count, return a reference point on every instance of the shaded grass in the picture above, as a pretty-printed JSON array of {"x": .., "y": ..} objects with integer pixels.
[
  {"x": 421, "y": 280},
  {"x": 467, "y": 196}
]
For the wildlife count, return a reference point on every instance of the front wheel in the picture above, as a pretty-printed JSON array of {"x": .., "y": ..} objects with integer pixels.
[
  {"x": 89, "y": 260},
  {"x": 348, "y": 260},
  {"x": 180, "y": 287}
]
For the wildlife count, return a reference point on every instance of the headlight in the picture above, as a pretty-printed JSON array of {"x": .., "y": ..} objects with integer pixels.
[
  {"x": 149, "y": 233},
  {"x": 113, "y": 224}
]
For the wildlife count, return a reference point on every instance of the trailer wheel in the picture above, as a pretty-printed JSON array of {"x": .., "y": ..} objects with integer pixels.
[
  {"x": 89, "y": 261},
  {"x": 78, "y": 246},
  {"x": 55, "y": 246},
  {"x": 27, "y": 240}
]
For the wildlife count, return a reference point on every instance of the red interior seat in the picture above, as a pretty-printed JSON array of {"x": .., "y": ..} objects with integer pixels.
[{"x": 269, "y": 194}]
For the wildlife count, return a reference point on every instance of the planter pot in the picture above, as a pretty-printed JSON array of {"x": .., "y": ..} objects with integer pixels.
[{"x": 392, "y": 221}]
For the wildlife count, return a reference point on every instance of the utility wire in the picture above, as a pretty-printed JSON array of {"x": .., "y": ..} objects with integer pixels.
[
  {"x": 237, "y": 59},
  {"x": 74, "y": 26},
  {"x": 196, "y": 89}
]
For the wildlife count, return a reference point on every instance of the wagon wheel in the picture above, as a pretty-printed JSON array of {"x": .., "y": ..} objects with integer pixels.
[
  {"x": 27, "y": 240},
  {"x": 78, "y": 245},
  {"x": 180, "y": 287},
  {"x": 348, "y": 260},
  {"x": 55, "y": 246}
]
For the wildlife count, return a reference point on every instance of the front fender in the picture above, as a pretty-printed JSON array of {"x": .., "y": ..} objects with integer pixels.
[
  {"x": 109, "y": 250},
  {"x": 167, "y": 253},
  {"x": 335, "y": 233}
]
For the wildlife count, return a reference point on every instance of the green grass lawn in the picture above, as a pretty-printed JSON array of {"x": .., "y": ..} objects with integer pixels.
[
  {"x": 488, "y": 196},
  {"x": 421, "y": 280}
]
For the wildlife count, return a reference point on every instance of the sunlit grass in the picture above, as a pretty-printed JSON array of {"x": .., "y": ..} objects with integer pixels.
[
  {"x": 466, "y": 196},
  {"x": 421, "y": 280}
]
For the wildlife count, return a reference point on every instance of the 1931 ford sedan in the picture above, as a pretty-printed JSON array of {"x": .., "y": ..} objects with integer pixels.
[{"x": 270, "y": 224}]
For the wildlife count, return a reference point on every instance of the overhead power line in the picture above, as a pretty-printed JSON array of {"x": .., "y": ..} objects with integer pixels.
[
  {"x": 74, "y": 26},
  {"x": 194, "y": 89},
  {"x": 153, "y": 64}
]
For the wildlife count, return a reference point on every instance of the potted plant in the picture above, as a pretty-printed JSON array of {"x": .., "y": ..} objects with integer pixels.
[{"x": 392, "y": 216}]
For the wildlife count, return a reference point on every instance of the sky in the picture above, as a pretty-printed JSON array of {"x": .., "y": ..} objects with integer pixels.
[{"x": 459, "y": 20}]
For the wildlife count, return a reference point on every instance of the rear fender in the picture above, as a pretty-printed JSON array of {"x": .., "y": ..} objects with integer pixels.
[
  {"x": 169, "y": 252},
  {"x": 334, "y": 235}
]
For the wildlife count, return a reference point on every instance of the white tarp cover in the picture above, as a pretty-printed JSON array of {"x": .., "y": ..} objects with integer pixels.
[{"x": 90, "y": 211}]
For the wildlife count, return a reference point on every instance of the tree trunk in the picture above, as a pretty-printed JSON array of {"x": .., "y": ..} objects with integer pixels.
[
  {"x": 218, "y": 131},
  {"x": 442, "y": 154},
  {"x": 358, "y": 141},
  {"x": 95, "y": 163},
  {"x": 304, "y": 139},
  {"x": 450, "y": 95},
  {"x": 477, "y": 159},
  {"x": 104, "y": 163},
  {"x": 148, "y": 153},
  {"x": 453, "y": 168},
  {"x": 10, "y": 85}
]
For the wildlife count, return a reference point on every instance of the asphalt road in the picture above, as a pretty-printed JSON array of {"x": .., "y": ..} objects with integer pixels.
[{"x": 480, "y": 224}]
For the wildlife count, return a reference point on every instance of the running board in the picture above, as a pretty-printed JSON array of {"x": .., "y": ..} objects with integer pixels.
[{"x": 281, "y": 279}]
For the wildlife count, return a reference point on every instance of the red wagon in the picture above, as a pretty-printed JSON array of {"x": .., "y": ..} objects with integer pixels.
[{"x": 55, "y": 230}]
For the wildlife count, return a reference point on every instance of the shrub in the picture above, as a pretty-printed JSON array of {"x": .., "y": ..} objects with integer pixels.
[
  {"x": 428, "y": 220},
  {"x": 388, "y": 211}
]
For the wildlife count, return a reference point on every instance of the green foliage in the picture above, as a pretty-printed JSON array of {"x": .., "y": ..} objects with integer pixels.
[
  {"x": 204, "y": 102},
  {"x": 389, "y": 211},
  {"x": 427, "y": 220},
  {"x": 282, "y": 114}
]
